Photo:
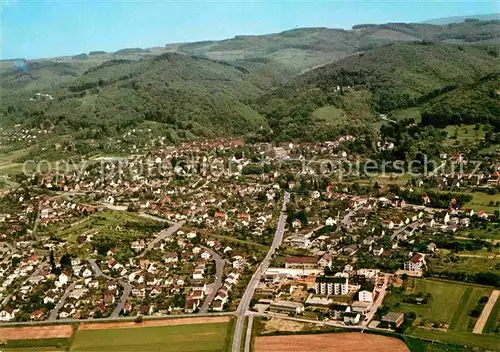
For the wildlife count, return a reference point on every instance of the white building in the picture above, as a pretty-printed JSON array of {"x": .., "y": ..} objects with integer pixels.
[
  {"x": 365, "y": 296},
  {"x": 416, "y": 263},
  {"x": 330, "y": 285}
]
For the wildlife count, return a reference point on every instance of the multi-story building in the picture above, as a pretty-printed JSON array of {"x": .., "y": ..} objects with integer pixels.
[{"x": 332, "y": 285}]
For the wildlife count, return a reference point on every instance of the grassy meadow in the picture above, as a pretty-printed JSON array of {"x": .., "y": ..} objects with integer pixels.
[{"x": 450, "y": 304}]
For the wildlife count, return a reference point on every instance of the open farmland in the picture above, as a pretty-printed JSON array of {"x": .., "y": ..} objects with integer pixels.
[
  {"x": 450, "y": 306},
  {"x": 188, "y": 337},
  {"x": 38, "y": 332},
  {"x": 339, "y": 342}
]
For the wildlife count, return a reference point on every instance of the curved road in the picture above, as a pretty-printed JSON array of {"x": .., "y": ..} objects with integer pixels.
[
  {"x": 219, "y": 272},
  {"x": 127, "y": 288},
  {"x": 161, "y": 236},
  {"x": 54, "y": 313}
]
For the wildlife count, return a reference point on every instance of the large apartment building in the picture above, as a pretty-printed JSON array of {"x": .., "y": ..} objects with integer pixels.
[{"x": 332, "y": 285}]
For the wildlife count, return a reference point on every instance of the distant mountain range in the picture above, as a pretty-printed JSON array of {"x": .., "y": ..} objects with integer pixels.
[{"x": 459, "y": 19}]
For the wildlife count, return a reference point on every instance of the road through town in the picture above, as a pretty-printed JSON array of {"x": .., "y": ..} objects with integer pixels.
[
  {"x": 219, "y": 271},
  {"x": 127, "y": 288},
  {"x": 254, "y": 281},
  {"x": 378, "y": 302}
]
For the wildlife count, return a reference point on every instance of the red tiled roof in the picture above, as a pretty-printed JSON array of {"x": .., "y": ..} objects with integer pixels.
[{"x": 299, "y": 260}]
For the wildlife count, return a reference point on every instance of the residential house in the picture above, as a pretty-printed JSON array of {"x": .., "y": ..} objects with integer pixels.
[
  {"x": 330, "y": 221},
  {"x": 416, "y": 263},
  {"x": 378, "y": 250},
  {"x": 351, "y": 317},
  {"x": 296, "y": 224},
  {"x": 7, "y": 314},
  {"x": 191, "y": 305},
  {"x": 218, "y": 306},
  {"x": 325, "y": 261},
  {"x": 138, "y": 245}
]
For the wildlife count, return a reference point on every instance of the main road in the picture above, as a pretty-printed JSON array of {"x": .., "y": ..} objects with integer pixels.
[{"x": 254, "y": 281}]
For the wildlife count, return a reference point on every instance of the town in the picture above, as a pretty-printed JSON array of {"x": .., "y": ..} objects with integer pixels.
[{"x": 224, "y": 227}]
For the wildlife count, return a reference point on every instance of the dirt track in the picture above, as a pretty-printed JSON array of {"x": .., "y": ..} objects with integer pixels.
[
  {"x": 149, "y": 323},
  {"x": 483, "y": 318},
  {"x": 348, "y": 342},
  {"x": 36, "y": 332}
]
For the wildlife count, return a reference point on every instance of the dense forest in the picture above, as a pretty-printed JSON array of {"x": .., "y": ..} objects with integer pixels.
[{"x": 470, "y": 104}]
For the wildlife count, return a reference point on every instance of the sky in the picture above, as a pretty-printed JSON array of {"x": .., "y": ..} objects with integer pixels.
[{"x": 46, "y": 28}]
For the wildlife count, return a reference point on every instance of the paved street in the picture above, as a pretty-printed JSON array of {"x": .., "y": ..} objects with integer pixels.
[
  {"x": 12, "y": 250},
  {"x": 254, "y": 281},
  {"x": 214, "y": 287},
  {"x": 380, "y": 298},
  {"x": 412, "y": 226},
  {"x": 161, "y": 236},
  {"x": 115, "y": 319},
  {"x": 346, "y": 220},
  {"x": 127, "y": 288},
  {"x": 55, "y": 312},
  {"x": 248, "y": 337},
  {"x": 33, "y": 274}
]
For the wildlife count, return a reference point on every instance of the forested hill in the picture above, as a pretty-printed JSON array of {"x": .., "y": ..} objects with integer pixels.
[
  {"x": 195, "y": 95},
  {"x": 401, "y": 74},
  {"x": 200, "y": 97},
  {"x": 303, "y": 48},
  {"x": 386, "y": 78},
  {"x": 470, "y": 104}
]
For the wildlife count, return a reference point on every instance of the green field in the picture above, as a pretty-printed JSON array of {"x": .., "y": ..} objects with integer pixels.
[
  {"x": 405, "y": 114},
  {"x": 446, "y": 304},
  {"x": 182, "y": 338},
  {"x": 451, "y": 304},
  {"x": 487, "y": 342},
  {"x": 490, "y": 233},
  {"x": 464, "y": 134},
  {"x": 7, "y": 164},
  {"x": 481, "y": 201},
  {"x": 96, "y": 222},
  {"x": 328, "y": 114},
  {"x": 36, "y": 345},
  {"x": 471, "y": 265}
]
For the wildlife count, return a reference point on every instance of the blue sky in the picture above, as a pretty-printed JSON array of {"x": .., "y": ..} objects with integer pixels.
[{"x": 45, "y": 28}]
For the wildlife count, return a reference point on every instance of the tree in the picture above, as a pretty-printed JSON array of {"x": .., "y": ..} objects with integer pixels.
[
  {"x": 65, "y": 261},
  {"x": 52, "y": 263},
  {"x": 132, "y": 207}
]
